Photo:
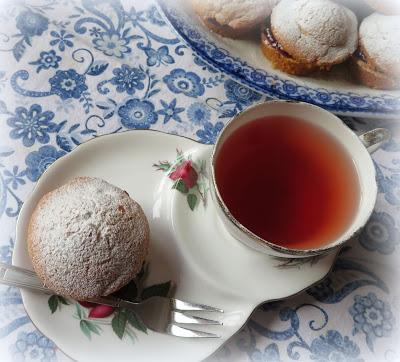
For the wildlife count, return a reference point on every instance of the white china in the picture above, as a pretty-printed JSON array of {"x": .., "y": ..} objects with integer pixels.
[
  {"x": 189, "y": 247},
  {"x": 346, "y": 138}
]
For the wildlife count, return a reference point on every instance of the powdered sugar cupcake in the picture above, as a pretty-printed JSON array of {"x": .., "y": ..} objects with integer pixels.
[
  {"x": 377, "y": 60},
  {"x": 308, "y": 35},
  {"x": 233, "y": 18},
  {"x": 87, "y": 238}
]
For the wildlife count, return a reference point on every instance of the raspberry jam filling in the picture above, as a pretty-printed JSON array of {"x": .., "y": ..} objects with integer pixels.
[{"x": 273, "y": 42}]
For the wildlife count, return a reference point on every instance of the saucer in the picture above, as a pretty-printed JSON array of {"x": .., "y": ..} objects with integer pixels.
[{"x": 191, "y": 253}]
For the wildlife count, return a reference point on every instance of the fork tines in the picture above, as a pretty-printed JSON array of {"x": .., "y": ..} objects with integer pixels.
[{"x": 186, "y": 306}]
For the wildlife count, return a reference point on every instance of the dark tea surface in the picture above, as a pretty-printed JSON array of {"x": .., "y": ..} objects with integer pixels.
[{"x": 288, "y": 181}]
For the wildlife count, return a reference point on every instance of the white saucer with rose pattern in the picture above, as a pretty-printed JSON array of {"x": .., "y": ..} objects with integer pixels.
[{"x": 192, "y": 257}]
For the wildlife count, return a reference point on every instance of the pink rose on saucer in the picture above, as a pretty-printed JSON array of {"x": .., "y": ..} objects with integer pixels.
[
  {"x": 186, "y": 173},
  {"x": 98, "y": 310}
]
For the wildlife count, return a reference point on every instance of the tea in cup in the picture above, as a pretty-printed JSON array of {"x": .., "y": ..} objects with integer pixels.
[{"x": 290, "y": 179}]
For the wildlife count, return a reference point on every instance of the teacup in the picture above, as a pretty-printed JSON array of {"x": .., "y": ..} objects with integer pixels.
[{"x": 357, "y": 147}]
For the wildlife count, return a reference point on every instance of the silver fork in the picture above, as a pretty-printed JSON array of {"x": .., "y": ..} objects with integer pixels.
[{"x": 160, "y": 314}]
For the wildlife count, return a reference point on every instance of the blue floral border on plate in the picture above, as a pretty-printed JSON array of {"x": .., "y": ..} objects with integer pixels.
[{"x": 272, "y": 85}]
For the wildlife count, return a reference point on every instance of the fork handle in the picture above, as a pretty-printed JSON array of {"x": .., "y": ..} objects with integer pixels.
[
  {"x": 14, "y": 276},
  {"x": 23, "y": 278},
  {"x": 114, "y": 302}
]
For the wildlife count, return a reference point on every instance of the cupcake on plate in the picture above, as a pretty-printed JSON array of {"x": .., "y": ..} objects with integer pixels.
[
  {"x": 376, "y": 63},
  {"x": 303, "y": 36},
  {"x": 87, "y": 239},
  {"x": 233, "y": 18}
]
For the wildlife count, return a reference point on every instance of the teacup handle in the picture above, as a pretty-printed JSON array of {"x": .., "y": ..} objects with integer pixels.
[{"x": 374, "y": 139}]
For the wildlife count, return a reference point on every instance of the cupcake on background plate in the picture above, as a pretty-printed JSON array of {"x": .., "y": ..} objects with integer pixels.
[
  {"x": 376, "y": 63},
  {"x": 233, "y": 18},
  {"x": 304, "y": 36},
  {"x": 87, "y": 239}
]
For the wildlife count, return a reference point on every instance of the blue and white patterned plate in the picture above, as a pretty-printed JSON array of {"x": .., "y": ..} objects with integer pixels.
[{"x": 244, "y": 61}]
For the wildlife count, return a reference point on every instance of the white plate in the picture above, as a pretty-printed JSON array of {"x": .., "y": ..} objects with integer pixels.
[
  {"x": 243, "y": 60},
  {"x": 190, "y": 248}
]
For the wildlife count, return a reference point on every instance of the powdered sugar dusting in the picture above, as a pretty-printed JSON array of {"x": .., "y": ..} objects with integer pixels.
[
  {"x": 380, "y": 39},
  {"x": 235, "y": 13},
  {"x": 87, "y": 238},
  {"x": 315, "y": 31}
]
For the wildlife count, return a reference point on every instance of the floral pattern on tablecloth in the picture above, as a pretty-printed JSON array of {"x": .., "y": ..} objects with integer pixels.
[{"x": 71, "y": 70}]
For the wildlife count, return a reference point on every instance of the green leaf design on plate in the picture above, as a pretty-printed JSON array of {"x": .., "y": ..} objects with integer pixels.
[
  {"x": 161, "y": 290},
  {"x": 118, "y": 323},
  {"x": 131, "y": 334},
  {"x": 55, "y": 302},
  {"x": 78, "y": 311},
  {"x": 135, "y": 321},
  {"x": 197, "y": 193},
  {"x": 94, "y": 327},
  {"x": 180, "y": 186},
  {"x": 192, "y": 201},
  {"x": 180, "y": 156},
  {"x": 163, "y": 166},
  {"x": 124, "y": 322},
  {"x": 87, "y": 327}
]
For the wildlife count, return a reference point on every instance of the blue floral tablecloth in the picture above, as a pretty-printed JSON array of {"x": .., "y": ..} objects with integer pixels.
[{"x": 74, "y": 70}]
